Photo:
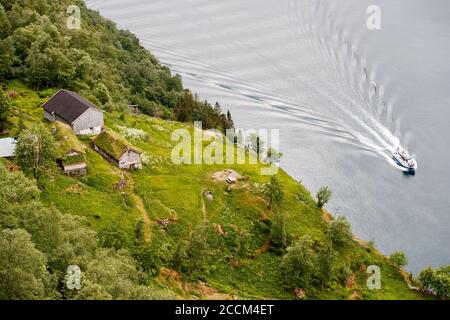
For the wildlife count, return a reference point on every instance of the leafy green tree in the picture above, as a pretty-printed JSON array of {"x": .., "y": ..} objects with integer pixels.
[
  {"x": 339, "y": 232},
  {"x": 7, "y": 57},
  {"x": 399, "y": 259},
  {"x": 23, "y": 273},
  {"x": 113, "y": 236},
  {"x": 278, "y": 231},
  {"x": 327, "y": 258},
  {"x": 102, "y": 94},
  {"x": 5, "y": 110},
  {"x": 198, "y": 248},
  {"x": 181, "y": 256},
  {"x": 185, "y": 108},
  {"x": 323, "y": 196},
  {"x": 5, "y": 26},
  {"x": 273, "y": 155},
  {"x": 273, "y": 192},
  {"x": 191, "y": 255},
  {"x": 437, "y": 280},
  {"x": 298, "y": 264},
  {"x": 35, "y": 151},
  {"x": 255, "y": 144},
  {"x": 113, "y": 275},
  {"x": 243, "y": 244}
]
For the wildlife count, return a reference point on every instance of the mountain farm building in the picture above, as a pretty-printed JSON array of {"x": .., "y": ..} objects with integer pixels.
[
  {"x": 72, "y": 157},
  {"x": 68, "y": 107},
  {"x": 117, "y": 151}
]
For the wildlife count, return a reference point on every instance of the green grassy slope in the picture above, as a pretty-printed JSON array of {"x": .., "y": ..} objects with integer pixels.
[{"x": 163, "y": 190}]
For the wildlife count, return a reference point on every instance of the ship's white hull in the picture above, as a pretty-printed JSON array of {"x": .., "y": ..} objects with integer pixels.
[{"x": 404, "y": 164}]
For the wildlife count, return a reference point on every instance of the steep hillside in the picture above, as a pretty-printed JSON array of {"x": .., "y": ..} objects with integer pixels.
[{"x": 200, "y": 237}]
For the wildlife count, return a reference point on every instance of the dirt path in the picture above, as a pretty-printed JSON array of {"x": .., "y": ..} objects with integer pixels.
[
  {"x": 140, "y": 206},
  {"x": 147, "y": 222}
]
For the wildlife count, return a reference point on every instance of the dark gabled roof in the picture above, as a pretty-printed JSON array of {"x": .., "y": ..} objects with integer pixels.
[{"x": 68, "y": 105}]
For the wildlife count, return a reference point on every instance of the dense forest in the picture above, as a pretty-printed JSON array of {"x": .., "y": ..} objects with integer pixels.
[
  {"x": 106, "y": 65},
  {"x": 172, "y": 231}
]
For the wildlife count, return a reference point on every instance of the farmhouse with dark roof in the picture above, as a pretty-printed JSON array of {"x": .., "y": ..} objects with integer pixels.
[{"x": 68, "y": 107}]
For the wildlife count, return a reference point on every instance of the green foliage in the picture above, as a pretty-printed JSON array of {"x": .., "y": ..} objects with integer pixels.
[
  {"x": 399, "y": 259},
  {"x": 5, "y": 110},
  {"x": 255, "y": 144},
  {"x": 273, "y": 192},
  {"x": 113, "y": 236},
  {"x": 339, "y": 232},
  {"x": 5, "y": 25},
  {"x": 323, "y": 196},
  {"x": 327, "y": 259},
  {"x": 273, "y": 155},
  {"x": 38, "y": 243},
  {"x": 189, "y": 108},
  {"x": 278, "y": 231},
  {"x": 437, "y": 280},
  {"x": 112, "y": 69},
  {"x": 22, "y": 267},
  {"x": 35, "y": 151},
  {"x": 298, "y": 264}
]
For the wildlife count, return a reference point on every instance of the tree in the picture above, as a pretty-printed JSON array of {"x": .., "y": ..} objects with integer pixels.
[
  {"x": 191, "y": 254},
  {"x": 4, "y": 111},
  {"x": 326, "y": 260},
  {"x": 101, "y": 92},
  {"x": 399, "y": 259},
  {"x": 273, "y": 155},
  {"x": 339, "y": 232},
  {"x": 185, "y": 108},
  {"x": 298, "y": 264},
  {"x": 255, "y": 144},
  {"x": 198, "y": 249},
  {"x": 5, "y": 26},
  {"x": 113, "y": 236},
  {"x": 181, "y": 256},
  {"x": 23, "y": 273},
  {"x": 278, "y": 231},
  {"x": 35, "y": 151},
  {"x": 273, "y": 192},
  {"x": 437, "y": 280},
  {"x": 7, "y": 57},
  {"x": 323, "y": 196}
]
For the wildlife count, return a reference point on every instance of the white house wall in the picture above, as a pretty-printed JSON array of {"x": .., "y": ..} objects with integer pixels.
[{"x": 90, "y": 122}]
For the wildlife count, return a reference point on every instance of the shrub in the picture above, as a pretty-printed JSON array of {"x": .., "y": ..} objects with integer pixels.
[
  {"x": 339, "y": 232},
  {"x": 298, "y": 264},
  {"x": 399, "y": 259},
  {"x": 278, "y": 231},
  {"x": 323, "y": 196},
  {"x": 437, "y": 280}
]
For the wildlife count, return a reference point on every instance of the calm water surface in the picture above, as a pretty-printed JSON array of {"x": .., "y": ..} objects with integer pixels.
[{"x": 343, "y": 96}]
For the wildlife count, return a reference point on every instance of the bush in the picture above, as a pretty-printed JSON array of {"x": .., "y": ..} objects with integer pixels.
[
  {"x": 278, "y": 231},
  {"x": 339, "y": 232},
  {"x": 437, "y": 280},
  {"x": 298, "y": 264},
  {"x": 399, "y": 259},
  {"x": 323, "y": 196}
]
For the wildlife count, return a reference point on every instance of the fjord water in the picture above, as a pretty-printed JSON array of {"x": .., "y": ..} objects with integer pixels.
[{"x": 342, "y": 96}]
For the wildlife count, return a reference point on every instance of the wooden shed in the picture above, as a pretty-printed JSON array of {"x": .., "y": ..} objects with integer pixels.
[
  {"x": 116, "y": 150},
  {"x": 71, "y": 151}
]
